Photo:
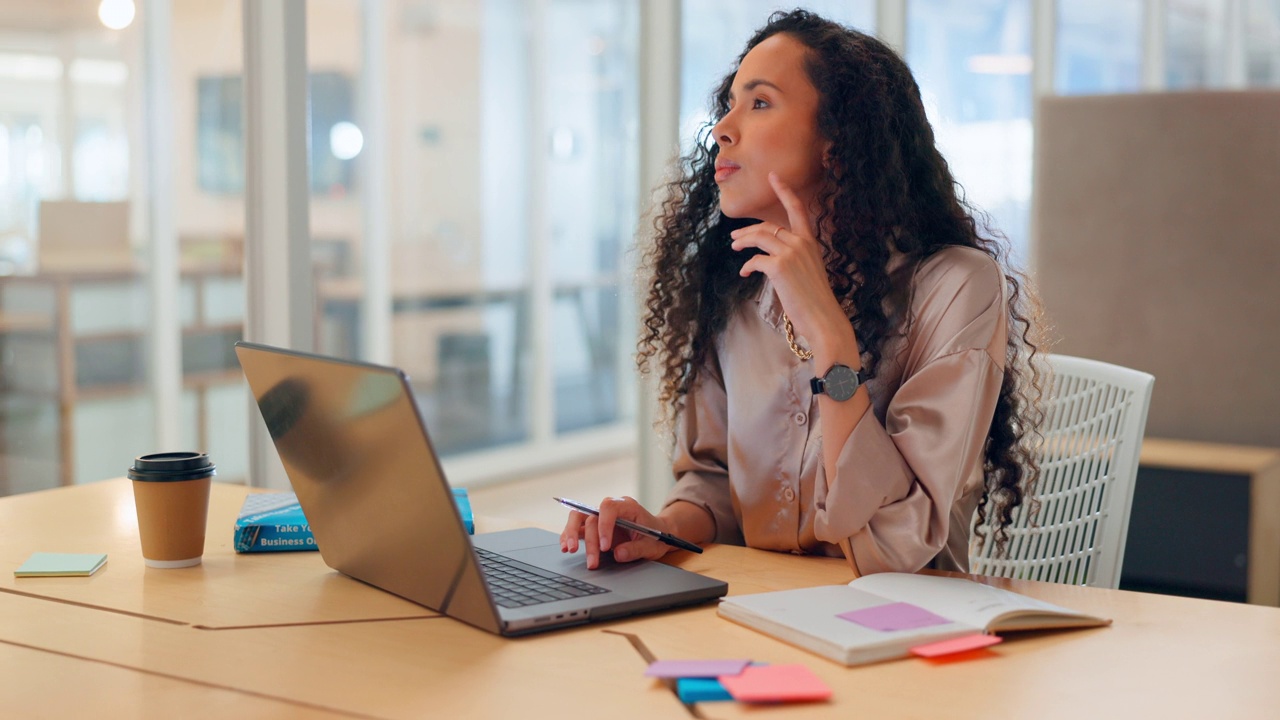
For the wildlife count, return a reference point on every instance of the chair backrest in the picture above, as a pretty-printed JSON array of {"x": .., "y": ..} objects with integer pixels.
[{"x": 1095, "y": 417}]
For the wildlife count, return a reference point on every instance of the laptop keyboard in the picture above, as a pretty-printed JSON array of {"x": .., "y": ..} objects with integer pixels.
[{"x": 516, "y": 584}]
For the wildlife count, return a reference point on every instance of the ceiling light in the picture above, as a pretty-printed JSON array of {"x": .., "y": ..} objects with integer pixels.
[
  {"x": 116, "y": 14},
  {"x": 345, "y": 140}
]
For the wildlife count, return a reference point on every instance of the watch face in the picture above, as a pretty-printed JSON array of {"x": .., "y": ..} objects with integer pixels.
[{"x": 840, "y": 382}]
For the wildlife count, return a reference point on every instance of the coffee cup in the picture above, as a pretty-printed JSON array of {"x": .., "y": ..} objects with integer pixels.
[{"x": 171, "y": 494}]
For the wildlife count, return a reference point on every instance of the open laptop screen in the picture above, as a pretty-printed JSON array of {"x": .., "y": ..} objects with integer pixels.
[{"x": 360, "y": 460}]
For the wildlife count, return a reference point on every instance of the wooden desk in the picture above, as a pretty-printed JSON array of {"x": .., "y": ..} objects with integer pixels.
[
  {"x": 1163, "y": 657},
  {"x": 226, "y": 590},
  {"x": 40, "y": 683}
]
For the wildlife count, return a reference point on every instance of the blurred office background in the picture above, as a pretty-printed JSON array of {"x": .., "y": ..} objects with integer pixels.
[{"x": 477, "y": 173}]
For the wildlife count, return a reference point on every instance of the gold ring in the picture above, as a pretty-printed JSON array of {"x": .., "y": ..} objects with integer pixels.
[{"x": 775, "y": 232}]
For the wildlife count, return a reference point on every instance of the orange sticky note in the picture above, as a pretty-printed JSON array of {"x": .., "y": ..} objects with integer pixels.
[
  {"x": 955, "y": 645},
  {"x": 776, "y": 683}
]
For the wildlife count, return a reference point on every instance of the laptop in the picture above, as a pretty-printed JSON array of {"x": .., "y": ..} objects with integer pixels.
[{"x": 360, "y": 460}]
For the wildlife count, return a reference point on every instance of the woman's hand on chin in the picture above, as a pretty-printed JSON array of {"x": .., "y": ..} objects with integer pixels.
[{"x": 794, "y": 265}]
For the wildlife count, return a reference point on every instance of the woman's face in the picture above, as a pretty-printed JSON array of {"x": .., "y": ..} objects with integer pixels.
[{"x": 771, "y": 126}]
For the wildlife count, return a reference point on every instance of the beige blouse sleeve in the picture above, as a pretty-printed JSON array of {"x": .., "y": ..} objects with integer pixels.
[
  {"x": 700, "y": 463},
  {"x": 899, "y": 475}
]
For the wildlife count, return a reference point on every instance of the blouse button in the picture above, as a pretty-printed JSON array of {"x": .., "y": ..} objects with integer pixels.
[
  {"x": 801, "y": 418},
  {"x": 789, "y": 494}
]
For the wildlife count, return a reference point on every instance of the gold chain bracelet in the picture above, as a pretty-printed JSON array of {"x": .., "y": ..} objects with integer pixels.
[{"x": 791, "y": 340}]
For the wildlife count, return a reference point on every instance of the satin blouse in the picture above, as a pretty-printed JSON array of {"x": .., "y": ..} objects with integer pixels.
[{"x": 748, "y": 443}]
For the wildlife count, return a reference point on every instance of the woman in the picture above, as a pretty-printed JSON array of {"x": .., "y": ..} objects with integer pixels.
[{"x": 846, "y": 360}]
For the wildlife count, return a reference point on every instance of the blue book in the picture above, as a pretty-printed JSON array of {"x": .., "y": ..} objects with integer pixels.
[{"x": 274, "y": 522}]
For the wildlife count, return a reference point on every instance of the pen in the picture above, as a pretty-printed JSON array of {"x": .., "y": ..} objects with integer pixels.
[{"x": 667, "y": 538}]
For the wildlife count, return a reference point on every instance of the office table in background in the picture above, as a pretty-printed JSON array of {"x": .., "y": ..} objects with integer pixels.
[
  {"x": 279, "y": 634},
  {"x": 79, "y": 339},
  {"x": 1206, "y": 521}
]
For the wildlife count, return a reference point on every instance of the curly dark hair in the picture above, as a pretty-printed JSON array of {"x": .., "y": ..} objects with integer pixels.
[{"x": 887, "y": 188}]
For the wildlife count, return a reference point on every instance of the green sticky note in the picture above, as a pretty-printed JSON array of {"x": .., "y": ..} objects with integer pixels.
[{"x": 44, "y": 564}]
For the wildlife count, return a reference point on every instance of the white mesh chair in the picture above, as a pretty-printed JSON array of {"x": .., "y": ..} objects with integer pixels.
[{"x": 1095, "y": 417}]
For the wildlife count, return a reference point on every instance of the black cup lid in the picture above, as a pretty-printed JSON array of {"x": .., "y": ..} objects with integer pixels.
[{"x": 171, "y": 466}]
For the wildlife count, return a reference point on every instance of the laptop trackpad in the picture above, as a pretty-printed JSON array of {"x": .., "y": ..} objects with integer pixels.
[
  {"x": 541, "y": 548},
  {"x": 509, "y": 541}
]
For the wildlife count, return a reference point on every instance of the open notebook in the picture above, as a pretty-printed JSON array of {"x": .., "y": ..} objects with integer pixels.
[{"x": 883, "y": 616}]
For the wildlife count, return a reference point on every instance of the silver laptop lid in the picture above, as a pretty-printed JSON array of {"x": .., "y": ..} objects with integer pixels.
[{"x": 359, "y": 458}]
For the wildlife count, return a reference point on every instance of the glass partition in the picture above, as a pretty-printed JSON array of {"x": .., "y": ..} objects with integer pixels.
[
  {"x": 206, "y": 42},
  {"x": 509, "y": 206},
  {"x": 1262, "y": 43},
  {"x": 1195, "y": 44},
  {"x": 510, "y": 172},
  {"x": 591, "y": 169},
  {"x": 76, "y": 404},
  {"x": 1099, "y": 47},
  {"x": 973, "y": 63}
]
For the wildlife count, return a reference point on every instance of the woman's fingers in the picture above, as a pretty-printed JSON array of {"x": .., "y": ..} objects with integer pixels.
[
  {"x": 573, "y": 527},
  {"x": 797, "y": 214},
  {"x": 760, "y": 263},
  {"x": 641, "y": 548},
  {"x": 604, "y": 523},
  {"x": 792, "y": 259},
  {"x": 601, "y": 533},
  {"x": 761, "y": 235},
  {"x": 782, "y": 248},
  {"x": 611, "y": 509},
  {"x": 591, "y": 538},
  {"x": 627, "y": 546},
  {"x": 777, "y": 240},
  {"x": 773, "y": 239}
]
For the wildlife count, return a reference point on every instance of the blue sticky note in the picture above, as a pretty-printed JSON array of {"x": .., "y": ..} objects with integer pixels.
[
  {"x": 44, "y": 564},
  {"x": 692, "y": 690}
]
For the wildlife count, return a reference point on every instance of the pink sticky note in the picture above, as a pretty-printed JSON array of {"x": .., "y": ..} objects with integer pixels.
[
  {"x": 695, "y": 668},
  {"x": 955, "y": 645},
  {"x": 894, "y": 616},
  {"x": 776, "y": 683}
]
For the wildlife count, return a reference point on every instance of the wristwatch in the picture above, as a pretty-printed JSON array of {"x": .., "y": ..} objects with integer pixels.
[{"x": 840, "y": 383}]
